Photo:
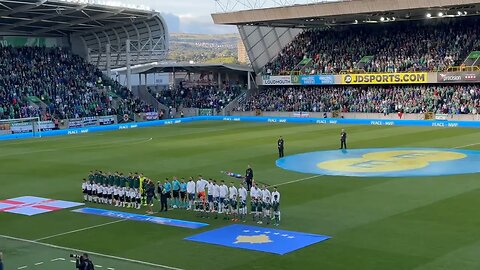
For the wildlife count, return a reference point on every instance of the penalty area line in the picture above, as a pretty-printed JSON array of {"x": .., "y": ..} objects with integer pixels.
[{"x": 90, "y": 252}]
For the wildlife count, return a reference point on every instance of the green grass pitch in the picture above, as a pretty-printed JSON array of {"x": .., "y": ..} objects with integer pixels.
[{"x": 376, "y": 223}]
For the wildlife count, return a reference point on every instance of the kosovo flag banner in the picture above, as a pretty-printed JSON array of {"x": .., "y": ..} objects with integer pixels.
[{"x": 258, "y": 238}]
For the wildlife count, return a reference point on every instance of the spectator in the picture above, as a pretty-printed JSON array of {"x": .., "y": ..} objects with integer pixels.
[
  {"x": 198, "y": 96},
  {"x": 448, "y": 99},
  {"x": 425, "y": 46},
  {"x": 65, "y": 83}
]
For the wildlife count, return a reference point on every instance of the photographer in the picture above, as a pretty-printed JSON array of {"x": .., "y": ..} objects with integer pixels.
[{"x": 83, "y": 262}]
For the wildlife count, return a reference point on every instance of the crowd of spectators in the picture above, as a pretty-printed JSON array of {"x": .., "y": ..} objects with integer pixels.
[
  {"x": 448, "y": 99},
  {"x": 199, "y": 96},
  {"x": 429, "y": 45},
  {"x": 68, "y": 86}
]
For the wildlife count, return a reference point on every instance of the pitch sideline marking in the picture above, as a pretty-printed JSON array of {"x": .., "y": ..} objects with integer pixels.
[
  {"x": 80, "y": 230},
  {"x": 463, "y": 146},
  {"x": 90, "y": 252}
]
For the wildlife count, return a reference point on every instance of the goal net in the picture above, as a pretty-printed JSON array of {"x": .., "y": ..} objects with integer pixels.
[{"x": 22, "y": 125}]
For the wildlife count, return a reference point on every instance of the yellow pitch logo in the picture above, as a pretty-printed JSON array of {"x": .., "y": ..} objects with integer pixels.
[{"x": 389, "y": 161}]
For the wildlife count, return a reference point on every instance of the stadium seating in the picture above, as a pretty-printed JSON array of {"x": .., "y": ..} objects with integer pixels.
[
  {"x": 202, "y": 97},
  {"x": 452, "y": 99},
  {"x": 429, "y": 45},
  {"x": 67, "y": 85}
]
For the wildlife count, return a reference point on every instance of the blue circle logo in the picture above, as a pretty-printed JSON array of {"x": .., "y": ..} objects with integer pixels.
[{"x": 385, "y": 162}]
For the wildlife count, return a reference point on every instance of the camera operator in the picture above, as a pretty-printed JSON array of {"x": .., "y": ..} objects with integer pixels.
[
  {"x": 83, "y": 262},
  {"x": 1, "y": 260}
]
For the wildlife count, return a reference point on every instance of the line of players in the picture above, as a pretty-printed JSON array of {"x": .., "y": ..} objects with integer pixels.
[
  {"x": 114, "y": 195},
  {"x": 210, "y": 197},
  {"x": 202, "y": 196}
]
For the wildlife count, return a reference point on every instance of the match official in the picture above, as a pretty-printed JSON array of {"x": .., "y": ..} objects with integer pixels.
[
  {"x": 164, "y": 194},
  {"x": 249, "y": 177},
  {"x": 1, "y": 260},
  {"x": 280, "y": 144},
  {"x": 343, "y": 139}
]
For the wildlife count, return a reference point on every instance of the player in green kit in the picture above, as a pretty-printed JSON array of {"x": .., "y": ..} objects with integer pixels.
[
  {"x": 136, "y": 182},
  {"x": 183, "y": 194},
  {"x": 267, "y": 206},
  {"x": 276, "y": 206},
  {"x": 175, "y": 192}
]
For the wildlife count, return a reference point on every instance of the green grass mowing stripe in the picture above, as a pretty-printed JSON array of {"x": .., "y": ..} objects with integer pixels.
[{"x": 89, "y": 252}]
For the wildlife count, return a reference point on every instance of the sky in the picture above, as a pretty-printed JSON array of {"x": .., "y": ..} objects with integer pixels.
[
  {"x": 187, "y": 16},
  {"x": 193, "y": 16}
]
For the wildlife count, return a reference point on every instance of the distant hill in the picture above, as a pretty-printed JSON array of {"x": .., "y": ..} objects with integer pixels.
[{"x": 203, "y": 48}]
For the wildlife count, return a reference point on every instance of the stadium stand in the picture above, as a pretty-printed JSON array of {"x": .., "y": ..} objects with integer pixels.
[
  {"x": 392, "y": 47},
  {"x": 199, "y": 96},
  {"x": 65, "y": 83},
  {"x": 451, "y": 99}
]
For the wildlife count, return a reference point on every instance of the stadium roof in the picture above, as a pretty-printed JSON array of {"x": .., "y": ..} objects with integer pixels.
[
  {"x": 192, "y": 68},
  {"x": 90, "y": 24},
  {"x": 265, "y": 32},
  {"x": 348, "y": 12}
]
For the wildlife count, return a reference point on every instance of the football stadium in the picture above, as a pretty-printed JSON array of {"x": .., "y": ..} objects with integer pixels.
[{"x": 350, "y": 141}]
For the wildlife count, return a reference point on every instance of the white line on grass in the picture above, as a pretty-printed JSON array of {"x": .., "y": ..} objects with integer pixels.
[
  {"x": 90, "y": 252},
  {"x": 22, "y": 267},
  {"x": 39, "y": 263},
  {"x": 298, "y": 180},
  {"x": 109, "y": 268},
  {"x": 80, "y": 230},
  {"x": 463, "y": 146},
  {"x": 315, "y": 176}
]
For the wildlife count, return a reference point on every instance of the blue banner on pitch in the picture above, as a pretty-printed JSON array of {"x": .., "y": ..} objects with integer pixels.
[
  {"x": 258, "y": 238},
  {"x": 142, "y": 218}
]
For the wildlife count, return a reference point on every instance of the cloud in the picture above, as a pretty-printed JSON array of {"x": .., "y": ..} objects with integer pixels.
[
  {"x": 187, "y": 16},
  {"x": 173, "y": 22},
  {"x": 188, "y": 23}
]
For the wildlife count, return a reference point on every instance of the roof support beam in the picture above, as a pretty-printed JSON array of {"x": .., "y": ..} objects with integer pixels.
[
  {"x": 86, "y": 20},
  {"x": 23, "y": 8},
  {"x": 40, "y": 18}
]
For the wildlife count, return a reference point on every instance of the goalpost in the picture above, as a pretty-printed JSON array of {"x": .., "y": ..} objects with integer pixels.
[{"x": 21, "y": 125}]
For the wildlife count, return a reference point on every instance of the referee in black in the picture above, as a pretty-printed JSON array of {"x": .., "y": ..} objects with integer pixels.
[
  {"x": 343, "y": 139},
  {"x": 249, "y": 177},
  {"x": 163, "y": 197},
  {"x": 280, "y": 144}
]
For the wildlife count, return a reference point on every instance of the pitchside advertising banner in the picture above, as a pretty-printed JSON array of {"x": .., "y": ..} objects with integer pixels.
[
  {"x": 277, "y": 80},
  {"x": 107, "y": 120},
  {"x": 321, "y": 121},
  {"x": 385, "y": 78},
  {"x": 313, "y": 79},
  {"x": 375, "y": 78},
  {"x": 299, "y": 80},
  {"x": 458, "y": 77},
  {"x": 26, "y": 127}
]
